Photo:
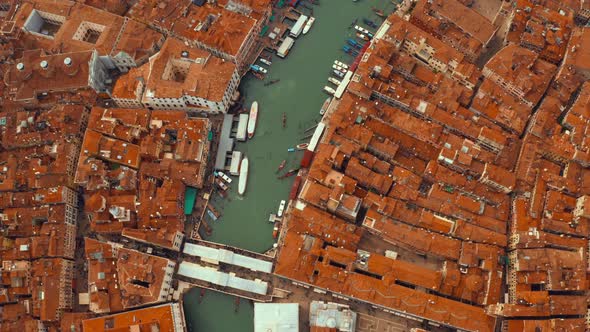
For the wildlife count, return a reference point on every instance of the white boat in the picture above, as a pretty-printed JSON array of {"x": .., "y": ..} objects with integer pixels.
[
  {"x": 338, "y": 68},
  {"x": 325, "y": 106},
  {"x": 224, "y": 177},
  {"x": 308, "y": 25},
  {"x": 281, "y": 208},
  {"x": 334, "y": 81},
  {"x": 266, "y": 62},
  {"x": 341, "y": 64},
  {"x": 252, "y": 119},
  {"x": 243, "y": 176},
  {"x": 329, "y": 90}
]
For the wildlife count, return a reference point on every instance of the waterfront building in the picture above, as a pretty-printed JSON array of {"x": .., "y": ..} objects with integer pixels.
[
  {"x": 276, "y": 317},
  {"x": 180, "y": 78},
  {"x": 165, "y": 318}
]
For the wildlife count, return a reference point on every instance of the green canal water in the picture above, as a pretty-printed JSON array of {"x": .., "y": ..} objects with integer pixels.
[{"x": 303, "y": 74}]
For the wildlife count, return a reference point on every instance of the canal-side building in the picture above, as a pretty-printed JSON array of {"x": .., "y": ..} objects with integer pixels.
[
  {"x": 464, "y": 186},
  {"x": 180, "y": 78},
  {"x": 165, "y": 318},
  {"x": 121, "y": 278},
  {"x": 227, "y": 34},
  {"x": 135, "y": 165}
]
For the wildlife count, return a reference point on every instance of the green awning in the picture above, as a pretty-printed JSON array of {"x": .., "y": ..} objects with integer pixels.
[
  {"x": 210, "y": 136},
  {"x": 189, "y": 200},
  {"x": 264, "y": 30}
]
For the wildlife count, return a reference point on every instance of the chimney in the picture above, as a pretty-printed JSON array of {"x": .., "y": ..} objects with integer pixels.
[
  {"x": 20, "y": 66},
  {"x": 43, "y": 64},
  {"x": 68, "y": 61}
]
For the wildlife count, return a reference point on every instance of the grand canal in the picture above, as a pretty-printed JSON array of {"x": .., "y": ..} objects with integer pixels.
[{"x": 299, "y": 94}]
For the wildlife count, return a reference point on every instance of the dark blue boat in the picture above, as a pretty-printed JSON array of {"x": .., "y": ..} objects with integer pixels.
[{"x": 370, "y": 23}]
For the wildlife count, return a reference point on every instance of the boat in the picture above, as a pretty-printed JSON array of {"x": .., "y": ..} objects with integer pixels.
[
  {"x": 213, "y": 210},
  {"x": 353, "y": 23},
  {"x": 378, "y": 12},
  {"x": 338, "y": 68},
  {"x": 258, "y": 69},
  {"x": 291, "y": 172},
  {"x": 281, "y": 208},
  {"x": 291, "y": 150},
  {"x": 352, "y": 42},
  {"x": 258, "y": 75},
  {"x": 362, "y": 36},
  {"x": 341, "y": 64},
  {"x": 284, "y": 119},
  {"x": 221, "y": 184},
  {"x": 212, "y": 215},
  {"x": 334, "y": 81},
  {"x": 308, "y": 25},
  {"x": 266, "y": 62},
  {"x": 224, "y": 177},
  {"x": 370, "y": 23},
  {"x": 243, "y": 176},
  {"x": 252, "y": 119},
  {"x": 271, "y": 82},
  {"x": 275, "y": 232},
  {"x": 329, "y": 90},
  {"x": 282, "y": 165},
  {"x": 302, "y": 146},
  {"x": 338, "y": 73}
]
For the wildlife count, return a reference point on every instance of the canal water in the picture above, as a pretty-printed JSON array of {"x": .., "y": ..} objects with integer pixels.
[{"x": 303, "y": 74}]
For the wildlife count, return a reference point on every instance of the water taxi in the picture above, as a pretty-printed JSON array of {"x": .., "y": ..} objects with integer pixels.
[
  {"x": 224, "y": 177},
  {"x": 329, "y": 90},
  {"x": 308, "y": 25},
  {"x": 281, "y": 208},
  {"x": 334, "y": 81}
]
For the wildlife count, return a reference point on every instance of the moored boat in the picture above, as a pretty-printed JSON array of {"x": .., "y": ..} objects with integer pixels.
[
  {"x": 325, "y": 105},
  {"x": 338, "y": 73},
  {"x": 243, "y": 176},
  {"x": 259, "y": 69},
  {"x": 282, "y": 165},
  {"x": 308, "y": 25},
  {"x": 224, "y": 177},
  {"x": 338, "y": 68},
  {"x": 302, "y": 146},
  {"x": 221, "y": 184},
  {"x": 252, "y": 119},
  {"x": 370, "y": 23},
  {"x": 266, "y": 62},
  {"x": 329, "y": 90},
  {"x": 378, "y": 12},
  {"x": 341, "y": 64},
  {"x": 291, "y": 172},
  {"x": 291, "y": 150},
  {"x": 334, "y": 81},
  {"x": 281, "y": 208}
]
